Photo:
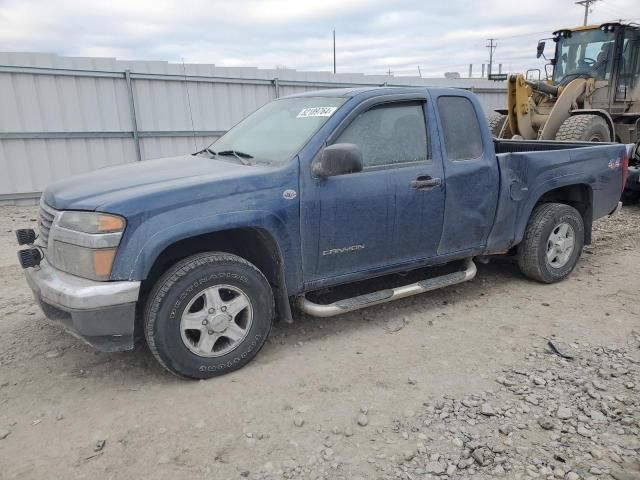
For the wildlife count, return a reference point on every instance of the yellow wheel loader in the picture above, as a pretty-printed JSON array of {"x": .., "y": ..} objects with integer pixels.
[{"x": 592, "y": 92}]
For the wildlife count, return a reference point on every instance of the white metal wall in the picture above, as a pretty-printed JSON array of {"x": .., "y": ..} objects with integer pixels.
[{"x": 60, "y": 116}]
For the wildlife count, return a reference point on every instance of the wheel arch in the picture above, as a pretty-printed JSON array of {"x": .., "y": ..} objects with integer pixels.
[
  {"x": 577, "y": 195},
  {"x": 255, "y": 244},
  {"x": 627, "y": 128}
]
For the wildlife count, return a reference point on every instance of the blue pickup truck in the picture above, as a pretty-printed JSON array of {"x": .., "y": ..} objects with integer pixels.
[{"x": 200, "y": 253}]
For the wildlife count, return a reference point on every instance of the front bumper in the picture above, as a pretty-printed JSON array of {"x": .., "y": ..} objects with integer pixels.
[{"x": 100, "y": 313}]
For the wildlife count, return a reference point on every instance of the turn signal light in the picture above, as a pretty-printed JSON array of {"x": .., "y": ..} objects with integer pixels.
[
  {"x": 102, "y": 261},
  {"x": 110, "y": 223}
]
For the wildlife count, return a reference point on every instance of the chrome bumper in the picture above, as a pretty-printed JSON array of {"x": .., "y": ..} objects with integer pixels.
[
  {"x": 100, "y": 313},
  {"x": 69, "y": 291}
]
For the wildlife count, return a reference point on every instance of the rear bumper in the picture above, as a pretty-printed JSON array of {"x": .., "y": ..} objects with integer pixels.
[{"x": 100, "y": 313}]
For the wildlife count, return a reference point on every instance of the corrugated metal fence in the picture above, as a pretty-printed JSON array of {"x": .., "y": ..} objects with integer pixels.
[{"x": 61, "y": 116}]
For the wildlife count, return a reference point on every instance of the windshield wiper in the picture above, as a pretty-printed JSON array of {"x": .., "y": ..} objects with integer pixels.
[
  {"x": 206, "y": 150},
  {"x": 239, "y": 155}
]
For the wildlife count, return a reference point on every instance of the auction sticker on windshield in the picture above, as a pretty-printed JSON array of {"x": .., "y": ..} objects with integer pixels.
[{"x": 316, "y": 112}]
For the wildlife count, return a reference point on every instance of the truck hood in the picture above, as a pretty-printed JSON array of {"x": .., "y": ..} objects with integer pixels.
[{"x": 116, "y": 188}]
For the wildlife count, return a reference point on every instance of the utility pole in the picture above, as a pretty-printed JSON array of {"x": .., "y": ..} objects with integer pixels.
[
  {"x": 491, "y": 46},
  {"x": 587, "y": 6},
  {"x": 334, "y": 51}
]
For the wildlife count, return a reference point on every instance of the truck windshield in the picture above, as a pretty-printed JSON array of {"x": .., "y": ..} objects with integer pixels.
[
  {"x": 277, "y": 131},
  {"x": 587, "y": 52}
]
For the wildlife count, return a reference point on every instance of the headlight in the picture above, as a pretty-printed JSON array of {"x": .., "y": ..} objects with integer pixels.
[
  {"x": 85, "y": 243},
  {"x": 90, "y": 222}
]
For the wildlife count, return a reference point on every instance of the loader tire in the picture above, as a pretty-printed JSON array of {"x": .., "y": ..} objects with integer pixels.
[
  {"x": 496, "y": 123},
  {"x": 584, "y": 128}
]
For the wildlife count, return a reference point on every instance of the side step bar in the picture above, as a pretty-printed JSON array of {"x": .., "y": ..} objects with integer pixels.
[{"x": 387, "y": 295}]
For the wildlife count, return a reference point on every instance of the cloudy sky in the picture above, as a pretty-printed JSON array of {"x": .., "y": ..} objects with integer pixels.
[{"x": 373, "y": 36}]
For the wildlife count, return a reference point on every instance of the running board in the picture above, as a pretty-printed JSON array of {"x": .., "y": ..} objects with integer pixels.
[{"x": 387, "y": 295}]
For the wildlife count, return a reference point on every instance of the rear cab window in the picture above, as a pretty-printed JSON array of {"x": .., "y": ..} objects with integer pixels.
[{"x": 461, "y": 130}]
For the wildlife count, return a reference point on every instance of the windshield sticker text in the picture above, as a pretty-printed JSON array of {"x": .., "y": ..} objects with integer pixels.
[{"x": 316, "y": 112}]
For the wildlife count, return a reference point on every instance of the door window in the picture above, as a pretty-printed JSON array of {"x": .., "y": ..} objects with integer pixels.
[
  {"x": 460, "y": 127},
  {"x": 629, "y": 66},
  {"x": 389, "y": 134}
]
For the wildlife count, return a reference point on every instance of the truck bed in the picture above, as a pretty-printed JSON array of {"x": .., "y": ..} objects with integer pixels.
[{"x": 528, "y": 169}]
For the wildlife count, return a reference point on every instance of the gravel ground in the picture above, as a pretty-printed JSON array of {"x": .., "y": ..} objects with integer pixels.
[{"x": 457, "y": 383}]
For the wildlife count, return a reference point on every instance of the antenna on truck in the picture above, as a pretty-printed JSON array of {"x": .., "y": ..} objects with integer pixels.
[{"x": 186, "y": 86}]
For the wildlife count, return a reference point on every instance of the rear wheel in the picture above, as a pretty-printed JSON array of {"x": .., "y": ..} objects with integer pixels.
[
  {"x": 499, "y": 126},
  {"x": 585, "y": 128},
  {"x": 552, "y": 242},
  {"x": 630, "y": 197},
  {"x": 208, "y": 315}
]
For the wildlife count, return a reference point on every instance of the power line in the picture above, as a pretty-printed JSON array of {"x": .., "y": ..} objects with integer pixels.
[
  {"x": 609, "y": 10},
  {"x": 530, "y": 34},
  {"x": 587, "y": 5}
]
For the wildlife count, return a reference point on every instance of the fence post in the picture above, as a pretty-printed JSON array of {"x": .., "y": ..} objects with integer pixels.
[
  {"x": 132, "y": 110},
  {"x": 276, "y": 86}
]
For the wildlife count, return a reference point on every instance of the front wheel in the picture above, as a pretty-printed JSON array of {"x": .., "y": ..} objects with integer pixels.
[
  {"x": 552, "y": 242},
  {"x": 208, "y": 315}
]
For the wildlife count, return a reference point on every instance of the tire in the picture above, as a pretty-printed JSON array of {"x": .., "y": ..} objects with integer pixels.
[
  {"x": 538, "y": 245},
  {"x": 496, "y": 123},
  {"x": 585, "y": 128},
  {"x": 227, "y": 296},
  {"x": 630, "y": 197}
]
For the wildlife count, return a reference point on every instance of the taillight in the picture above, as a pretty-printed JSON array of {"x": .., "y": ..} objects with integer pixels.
[{"x": 625, "y": 170}]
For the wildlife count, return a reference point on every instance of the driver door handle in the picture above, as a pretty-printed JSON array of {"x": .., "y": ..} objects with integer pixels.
[{"x": 425, "y": 182}]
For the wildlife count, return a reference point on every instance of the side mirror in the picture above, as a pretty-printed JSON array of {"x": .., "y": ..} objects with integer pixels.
[
  {"x": 540, "y": 51},
  {"x": 338, "y": 159}
]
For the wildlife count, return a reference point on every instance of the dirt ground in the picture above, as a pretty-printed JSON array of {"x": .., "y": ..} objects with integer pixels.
[{"x": 421, "y": 375}]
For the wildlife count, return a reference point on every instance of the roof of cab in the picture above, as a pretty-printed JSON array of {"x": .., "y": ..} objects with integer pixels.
[
  {"x": 352, "y": 92},
  {"x": 597, "y": 26}
]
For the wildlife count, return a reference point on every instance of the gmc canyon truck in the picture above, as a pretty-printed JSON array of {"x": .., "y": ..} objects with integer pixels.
[{"x": 199, "y": 253}]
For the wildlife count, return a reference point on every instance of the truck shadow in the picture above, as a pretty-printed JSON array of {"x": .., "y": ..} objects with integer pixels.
[{"x": 130, "y": 370}]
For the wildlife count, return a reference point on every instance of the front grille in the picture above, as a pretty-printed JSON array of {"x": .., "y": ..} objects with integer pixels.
[{"x": 45, "y": 220}]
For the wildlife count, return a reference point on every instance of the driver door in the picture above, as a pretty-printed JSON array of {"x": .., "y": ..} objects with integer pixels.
[{"x": 379, "y": 217}]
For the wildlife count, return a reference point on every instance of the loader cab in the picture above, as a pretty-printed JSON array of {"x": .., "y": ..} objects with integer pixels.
[
  {"x": 628, "y": 77},
  {"x": 609, "y": 54},
  {"x": 586, "y": 53}
]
